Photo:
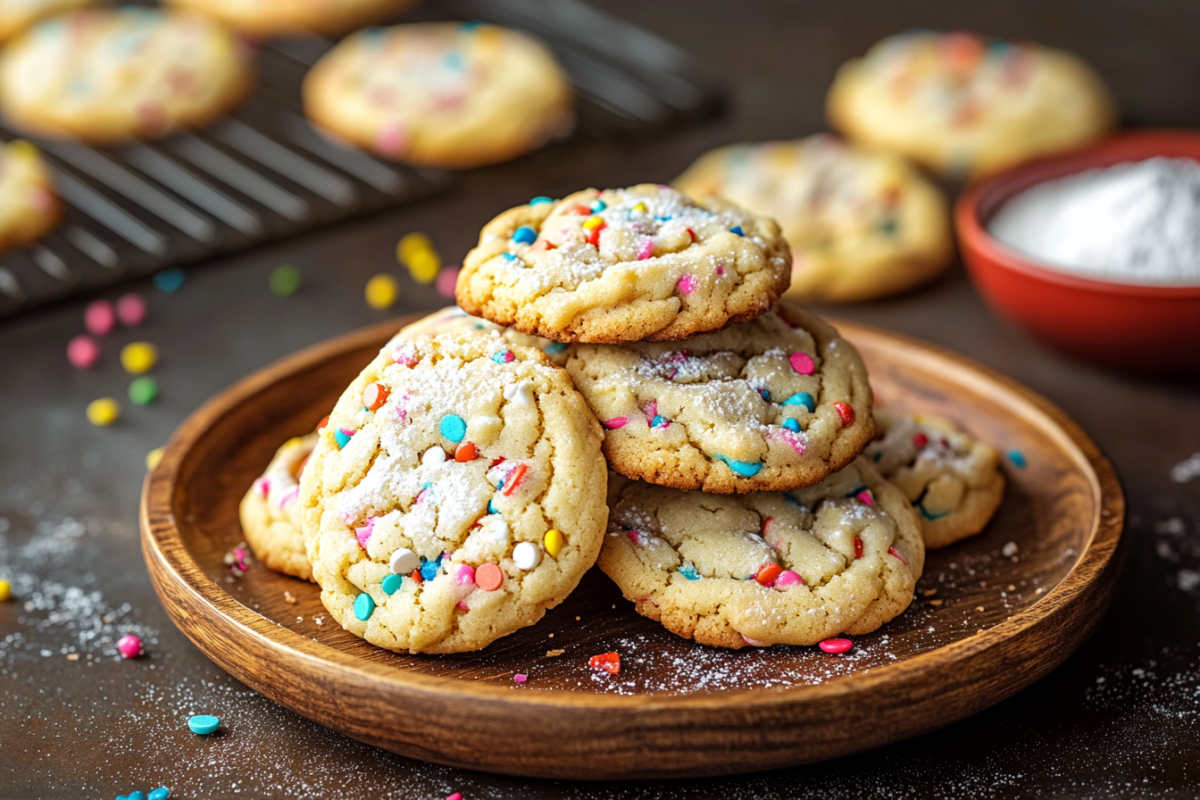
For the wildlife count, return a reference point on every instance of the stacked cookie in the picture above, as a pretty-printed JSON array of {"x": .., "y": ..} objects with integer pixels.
[{"x": 703, "y": 442}]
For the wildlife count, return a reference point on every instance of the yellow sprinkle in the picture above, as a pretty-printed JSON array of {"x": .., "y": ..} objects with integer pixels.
[
  {"x": 424, "y": 266},
  {"x": 103, "y": 411},
  {"x": 23, "y": 149},
  {"x": 410, "y": 245},
  {"x": 5, "y": 591},
  {"x": 593, "y": 223},
  {"x": 641, "y": 207},
  {"x": 382, "y": 291},
  {"x": 554, "y": 542},
  {"x": 139, "y": 357},
  {"x": 153, "y": 457},
  {"x": 292, "y": 442}
]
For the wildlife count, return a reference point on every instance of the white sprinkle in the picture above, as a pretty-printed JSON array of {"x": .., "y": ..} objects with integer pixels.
[
  {"x": 432, "y": 456},
  {"x": 404, "y": 561},
  {"x": 526, "y": 556}
]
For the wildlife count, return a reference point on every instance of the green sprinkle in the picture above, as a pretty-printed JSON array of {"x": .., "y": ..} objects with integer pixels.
[
  {"x": 143, "y": 390},
  {"x": 285, "y": 280}
]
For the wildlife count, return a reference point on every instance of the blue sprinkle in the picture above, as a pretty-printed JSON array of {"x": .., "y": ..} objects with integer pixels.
[
  {"x": 342, "y": 437},
  {"x": 738, "y": 230},
  {"x": 554, "y": 348},
  {"x": 1017, "y": 458},
  {"x": 170, "y": 280},
  {"x": 429, "y": 569},
  {"x": 509, "y": 257},
  {"x": 802, "y": 399},
  {"x": 203, "y": 724},
  {"x": 454, "y": 427},
  {"x": 524, "y": 235},
  {"x": 161, "y": 793},
  {"x": 492, "y": 507},
  {"x": 500, "y": 356},
  {"x": 391, "y": 584},
  {"x": 661, "y": 218},
  {"x": 364, "y": 606},
  {"x": 766, "y": 395},
  {"x": 454, "y": 60},
  {"x": 929, "y": 516},
  {"x": 878, "y": 457},
  {"x": 473, "y": 24},
  {"x": 658, "y": 421},
  {"x": 597, "y": 206},
  {"x": 792, "y": 501},
  {"x": 689, "y": 572},
  {"x": 791, "y": 425},
  {"x": 747, "y": 469},
  {"x": 540, "y": 200}
]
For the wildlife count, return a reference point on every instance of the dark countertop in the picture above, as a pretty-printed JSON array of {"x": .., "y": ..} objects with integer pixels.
[{"x": 1120, "y": 718}]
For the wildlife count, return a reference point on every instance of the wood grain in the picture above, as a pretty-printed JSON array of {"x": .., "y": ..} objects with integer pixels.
[{"x": 677, "y": 709}]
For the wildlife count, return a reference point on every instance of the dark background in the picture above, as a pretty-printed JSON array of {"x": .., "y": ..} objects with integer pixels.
[{"x": 1120, "y": 718}]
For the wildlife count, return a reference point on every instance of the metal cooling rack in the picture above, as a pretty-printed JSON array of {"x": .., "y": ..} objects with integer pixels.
[{"x": 264, "y": 173}]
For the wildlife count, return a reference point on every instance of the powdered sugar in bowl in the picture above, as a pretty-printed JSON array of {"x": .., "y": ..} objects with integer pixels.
[{"x": 1092, "y": 256}]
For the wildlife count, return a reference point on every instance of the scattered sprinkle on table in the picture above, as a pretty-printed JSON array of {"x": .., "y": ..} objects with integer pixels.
[
  {"x": 424, "y": 266},
  {"x": 382, "y": 291},
  {"x": 104, "y": 411},
  {"x": 411, "y": 244},
  {"x": 131, "y": 309},
  {"x": 170, "y": 281},
  {"x": 139, "y": 357},
  {"x": 455, "y": 796},
  {"x": 836, "y": 645},
  {"x": 143, "y": 390},
  {"x": 5, "y": 591},
  {"x": 161, "y": 793},
  {"x": 1017, "y": 458},
  {"x": 130, "y": 646},
  {"x": 153, "y": 457},
  {"x": 447, "y": 280},
  {"x": 99, "y": 318},
  {"x": 520, "y": 677},
  {"x": 203, "y": 724},
  {"x": 83, "y": 351},
  {"x": 606, "y": 662},
  {"x": 285, "y": 280}
]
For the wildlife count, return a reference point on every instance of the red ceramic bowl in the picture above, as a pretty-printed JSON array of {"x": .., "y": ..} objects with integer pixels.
[{"x": 1146, "y": 328}]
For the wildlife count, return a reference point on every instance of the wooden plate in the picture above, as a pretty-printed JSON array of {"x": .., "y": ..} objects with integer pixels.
[{"x": 1014, "y": 603}]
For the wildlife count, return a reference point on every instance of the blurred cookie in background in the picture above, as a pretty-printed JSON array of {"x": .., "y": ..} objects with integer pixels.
[
  {"x": 16, "y": 15},
  {"x": 860, "y": 223},
  {"x": 966, "y": 105},
  {"x": 440, "y": 94},
  {"x": 28, "y": 206},
  {"x": 263, "y": 18},
  {"x": 105, "y": 76}
]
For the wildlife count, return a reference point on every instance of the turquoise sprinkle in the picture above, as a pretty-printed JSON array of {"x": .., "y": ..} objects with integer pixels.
[
  {"x": 658, "y": 421},
  {"x": 453, "y": 60},
  {"x": 792, "y": 501},
  {"x": 1017, "y": 458},
  {"x": 689, "y": 572},
  {"x": 802, "y": 399},
  {"x": 161, "y": 793},
  {"x": 136, "y": 796},
  {"x": 738, "y": 230},
  {"x": 539, "y": 200},
  {"x": 791, "y": 425},
  {"x": 454, "y": 427},
  {"x": 492, "y": 507},
  {"x": 747, "y": 469},
  {"x": 169, "y": 281},
  {"x": 391, "y": 584},
  {"x": 342, "y": 437},
  {"x": 509, "y": 257},
  {"x": 429, "y": 569},
  {"x": 364, "y": 606},
  {"x": 929, "y": 516},
  {"x": 554, "y": 348},
  {"x": 203, "y": 724},
  {"x": 472, "y": 25},
  {"x": 597, "y": 206},
  {"x": 524, "y": 235}
]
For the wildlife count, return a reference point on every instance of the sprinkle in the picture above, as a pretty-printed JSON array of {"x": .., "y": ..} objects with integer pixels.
[
  {"x": 285, "y": 280},
  {"x": 83, "y": 351},
  {"x": 342, "y": 436},
  {"x": 691, "y": 235},
  {"x": 577, "y": 210},
  {"x": 391, "y": 584},
  {"x": 510, "y": 258},
  {"x": 382, "y": 291},
  {"x": 540, "y": 200},
  {"x": 1009, "y": 550},
  {"x": 640, "y": 207},
  {"x": 503, "y": 356},
  {"x": 1017, "y": 458},
  {"x": 659, "y": 421},
  {"x": 130, "y": 646},
  {"x": 464, "y": 575},
  {"x": 791, "y": 425},
  {"x": 801, "y": 398},
  {"x": 374, "y": 396},
  {"x": 447, "y": 281},
  {"x": 513, "y": 479},
  {"x": 896, "y": 554},
  {"x": 424, "y": 266},
  {"x": 415, "y": 575},
  {"x": 323, "y": 423},
  {"x": 553, "y": 541},
  {"x": 738, "y": 230},
  {"x": 524, "y": 235},
  {"x": 597, "y": 205},
  {"x": 836, "y": 645},
  {"x": 453, "y": 427},
  {"x": 410, "y": 244},
  {"x": 203, "y": 724},
  {"x": 595, "y": 223},
  {"x": 866, "y": 497},
  {"x": 767, "y": 573},
  {"x": 403, "y": 561},
  {"x": 554, "y": 348},
  {"x": 5, "y": 591},
  {"x": 593, "y": 237},
  {"x": 489, "y": 577},
  {"x": 689, "y": 572},
  {"x": 392, "y": 140},
  {"x": 542, "y": 246},
  {"x": 363, "y": 533},
  {"x": 616, "y": 422},
  {"x": 607, "y": 662},
  {"x": 99, "y": 318},
  {"x": 526, "y": 556},
  {"x": 161, "y": 793},
  {"x": 920, "y": 440},
  {"x": 143, "y": 390},
  {"x": 131, "y": 309},
  {"x": 170, "y": 281},
  {"x": 432, "y": 456},
  {"x": 787, "y": 579},
  {"x": 858, "y": 547},
  {"x": 747, "y": 469},
  {"x": 846, "y": 413},
  {"x": 364, "y": 606},
  {"x": 465, "y": 452},
  {"x": 104, "y": 411},
  {"x": 139, "y": 357},
  {"x": 518, "y": 678},
  {"x": 686, "y": 284},
  {"x": 802, "y": 363}
]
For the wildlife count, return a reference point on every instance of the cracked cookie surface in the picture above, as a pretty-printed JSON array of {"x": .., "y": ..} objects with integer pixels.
[
  {"x": 624, "y": 265},
  {"x": 457, "y": 493},
  {"x": 952, "y": 479},
  {"x": 772, "y": 404},
  {"x": 270, "y": 511},
  {"x": 453, "y": 319},
  {"x": 766, "y": 568}
]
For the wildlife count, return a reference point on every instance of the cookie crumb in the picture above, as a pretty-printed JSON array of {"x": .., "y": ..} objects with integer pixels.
[
  {"x": 929, "y": 593},
  {"x": 936, "y": 603},
  {"x": 1009, "y": 550},
  {"x": 288, "y": 596},
  {"x": 979, "y": 608},
  {"x": 554, "y": 653}
]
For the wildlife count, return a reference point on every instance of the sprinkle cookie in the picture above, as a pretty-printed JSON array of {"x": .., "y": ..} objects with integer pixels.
[
  {"x": 453, "y": 319},
  {"x": 766, "y": 568},
  {"x": 624, "y": 265},
  {"x": 969, "y": 106},
  {"x": 952, "y": 479},
  {"x": 270, "y": 511},
  {"x": 263, "y": 18},
  {"x": 28, "y": 206},
  {"x": 16, "y": 15},
  {"x": 106, "y": 76},
  {"x": 767, "y": 405},
  {"x": 457, "y": 493},
  {"x": 440, "y": 94},
  {"x": 860, "y": 224}
]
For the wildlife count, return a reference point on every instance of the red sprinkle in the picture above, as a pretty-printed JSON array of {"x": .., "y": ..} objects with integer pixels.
[
  {"x": 374, "y": 396},
  {"x": 416, "y": 576},
  {"x": 691, "y": 234},
  {"x": 609, "y": 662},
  {"x": 324, "y": 421},
  {"x": 836, "y": 645},
  {"x": 465, "y": 452},
  {"x": 582, "y": 211},
  {"x": 858, "y": 547},
  {"x": 846, "y": 413},
  {"x": 514, "y": 479},
  {"x": 542, "y": 244},
  {"x": 767, "y": 574},
  {"x": 894, "y": 552},
  {"x": 593, "y": 237},
  {"x": 920, "y": 440}
]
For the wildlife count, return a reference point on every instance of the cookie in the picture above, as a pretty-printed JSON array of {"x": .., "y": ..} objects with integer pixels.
[
  {"x": 264, "y": 18},
  {"x": 767, "y": 405},
  {"x": 453, "y": 319},
  {"x": 270, "y": 511},
  {"x": 16, "y": 15},
  {"x": 860, "y": 223},
  {"x": 766, "y": 568},
  {"x": 624, "y": 265},
  {"x": 457, "y": 493},
  {"x": 440, "y": 94},
  {"x": 952, "y": 479},
  {"x": 106, "y": 76},
  {"x": 966, "y": 105},
  {"x": 28, "y": 206}
]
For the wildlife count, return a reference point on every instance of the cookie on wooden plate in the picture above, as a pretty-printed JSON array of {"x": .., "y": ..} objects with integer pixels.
[
  {"x": 453, "y": 319},
  {"x": 270, "y": 510}
]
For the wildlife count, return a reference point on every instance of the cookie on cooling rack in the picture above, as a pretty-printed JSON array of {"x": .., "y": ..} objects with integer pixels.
[
  {"x": 263, "y": 18},
  {"x": 16, "y": 15},
  {"x": 28, "y": 206}
]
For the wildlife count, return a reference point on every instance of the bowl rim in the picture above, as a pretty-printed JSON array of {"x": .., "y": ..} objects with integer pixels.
[{"x": 979, "y": 201}]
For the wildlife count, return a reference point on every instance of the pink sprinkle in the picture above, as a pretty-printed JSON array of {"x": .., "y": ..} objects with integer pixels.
[
  {"x": 363, "y": 534},
  {"x": 392, "y": 140},
  {"x": 787, "y": 579},
  {"x": 634, "y": 536},
  {"x": 520, "y": 677},
  {"x": 651, "y": 411},
  {"x": 131, "y": 309},
  {"x": 422, "y": 496},
  {"x": 865, "y": 497},
  {"x": 616, "y": 422},
  {"x": 289, "y": 496},
  {"x": 83, "y": 352},
  {"x": 461, "y": 605},
  {"x": 720, "y": 269},
  {"x": 465, "y": 576},
  {"x": 803, "y": 363},
  {"x": 687, "y": 284},
  {"x": 645, "y": 248},
  {"x": 836, "y": 645},
  {"x": 447, "y": 279},
  {"x": 894, "y": 552},
  {"x": 509, "y": 356},
  {"x": 793, "y": 439},
  {"x": 239, "y": 557},
  {"x": 405, "y": 355},
  {"x": 130, "y": 646},
  {"x": 99, "y": 318},
  {"x": 264, "y": 486},
  {"x": 753, "y": 642},
  {"x": 455, "y": 796}
]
